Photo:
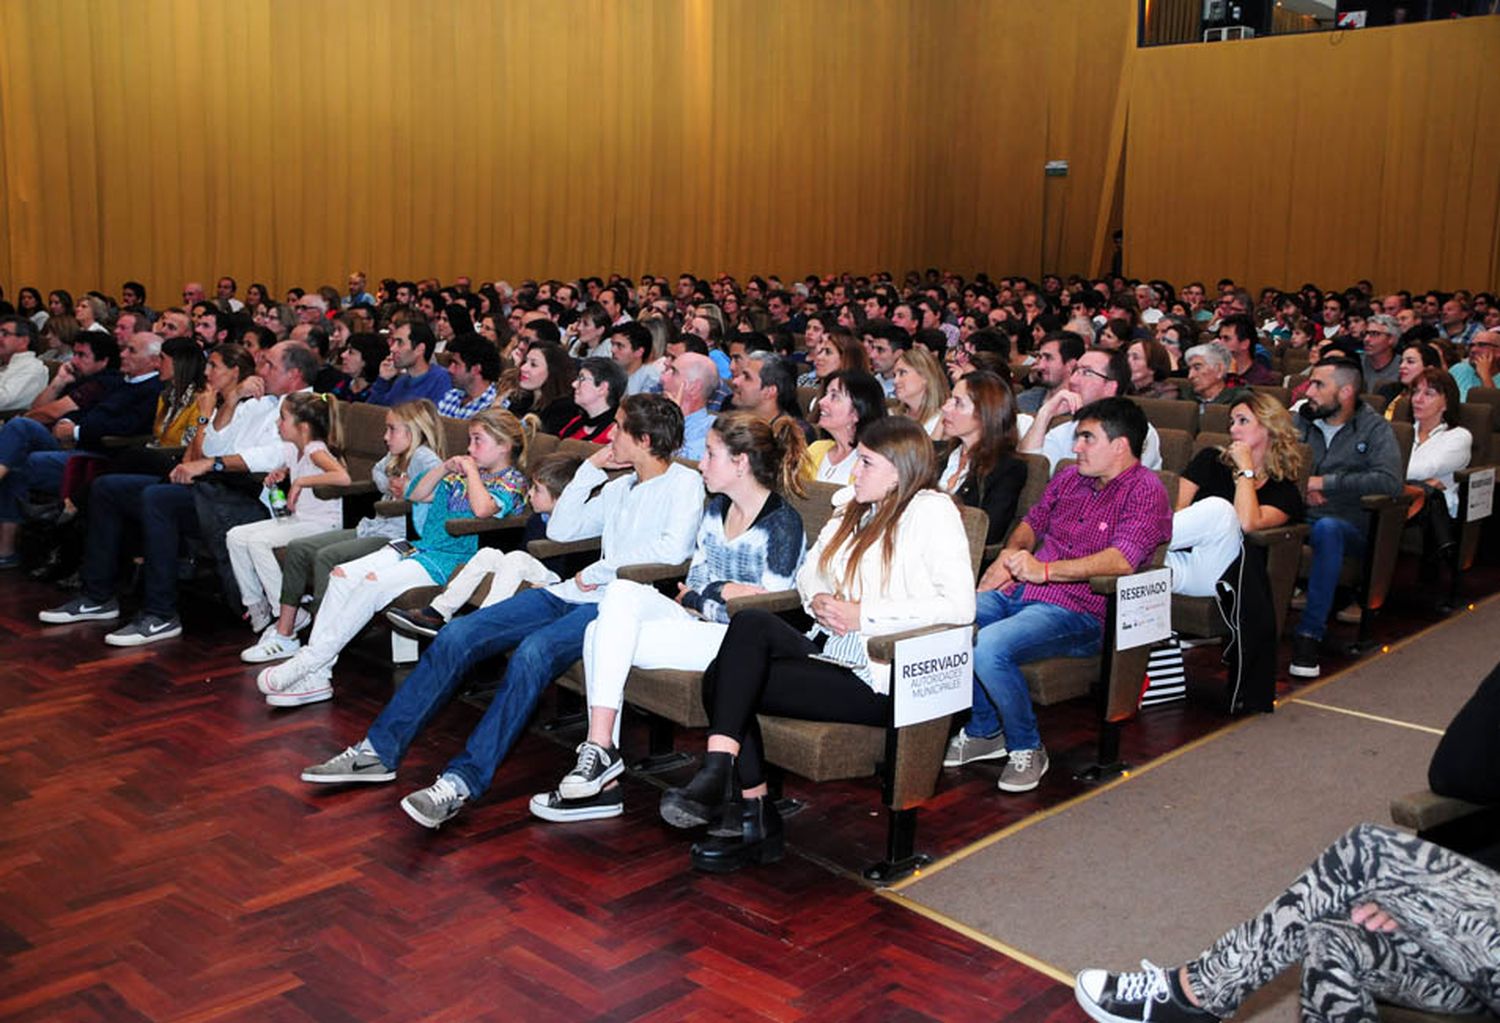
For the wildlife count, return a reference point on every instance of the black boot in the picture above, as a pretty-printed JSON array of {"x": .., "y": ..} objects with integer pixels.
[
  {"x": 703, "y": 798},
  {"x": 761, "y": 840}
]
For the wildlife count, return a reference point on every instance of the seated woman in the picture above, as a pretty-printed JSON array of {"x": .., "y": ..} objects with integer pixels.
[
  {"x": 1414, "y": 358},
  {"x": 812, "y": 336},
  {"x": 893, "y": 557},
  {"x": 483, "y": 483},
  {"x": 1250, "y": 485},
  {"x": 597, "y": 391},
  {"x": 921, "y": 388},
  {"x": 851, "y": 400},
  {"x": 360, "y": 362},
  {"x": 750, "y": 541},
  {"x": 982, "y": 469},
  {"x": 1379, "y": 914},
  {"x": 1150, "y": 370},
  {"x": 1439, "y": 448},
  {"x": 545, "y": 387},
  {"x": 414, "y": 447},
  {"x": 836, "y": 350}
]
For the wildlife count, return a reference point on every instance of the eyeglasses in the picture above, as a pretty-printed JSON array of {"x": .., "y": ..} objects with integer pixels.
[{"x": 1090, "y": 371}]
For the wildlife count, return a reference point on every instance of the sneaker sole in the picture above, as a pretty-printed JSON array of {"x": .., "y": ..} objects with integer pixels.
[
  {"x": 589, "y": 789},
  {"x": 1304, "y": 671},
  {"x": 1094, "y": 1010},
  {"x": 141, "y": 640},
  {"x": 409, "y": 628},
  {"x": 53, "y": 618},
  {"x": 541, "y": 808},
  {"x": 348, "y": 779},
  {"x": 996, "y": 755},
  {"x": 1012, "y": 787},
  {"x": 421, "y": 818},
  {"x": 299, "y": 699},
  {"x": 252, "y": 657}
]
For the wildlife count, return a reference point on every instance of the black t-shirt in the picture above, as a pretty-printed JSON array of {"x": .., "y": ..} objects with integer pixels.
[{"x": 1215, "y": 479}]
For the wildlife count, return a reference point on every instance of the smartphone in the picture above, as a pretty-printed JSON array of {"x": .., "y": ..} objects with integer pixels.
[{"x": 403, "y": 548}]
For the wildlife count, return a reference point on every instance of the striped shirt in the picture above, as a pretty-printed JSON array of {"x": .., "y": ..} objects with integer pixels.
[
  {"x": 767, "y": 554},
  {"x": 1076, "y": 518}
]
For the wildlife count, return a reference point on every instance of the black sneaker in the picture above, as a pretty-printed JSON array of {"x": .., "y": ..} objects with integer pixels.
[
  {"x": 81, "y": 609},
  {"x": 146, "y": 628},
  {"x": 1304, "y": 656},
  {"x": 551, "y": 806},
  {"x": 597, "y": 765},
  {"x": 1135, "y": 997},
  {"x": 421, "y": 622}
]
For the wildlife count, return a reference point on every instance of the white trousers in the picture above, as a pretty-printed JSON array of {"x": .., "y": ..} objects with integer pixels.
[
  {"x": 639, "y": 627},
  {"x": 508, "y": 569},
  {"x": 1206, "y": 539},
  {"x": 252, "y": 556},
  {"x": 352, "y": 599}
]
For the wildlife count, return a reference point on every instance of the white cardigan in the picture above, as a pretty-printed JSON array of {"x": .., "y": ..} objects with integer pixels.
[
  {"x": 1446, "y": 451},
  {"x": 930, "y": 581}
]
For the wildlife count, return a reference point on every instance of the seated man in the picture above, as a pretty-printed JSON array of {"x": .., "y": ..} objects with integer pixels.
[
  {"x": 1097, "y": 374},
  {"x": 1104, "y": 516},
  {"x": 1208, "y": 372},
  {"x": 1237, "y": 337},
  {"x": 766, "y": 385},
  {"x": 473, "y": 366},
  {"x": 23, "y": 376},
  {"x": 648, "y": 515},
  {"x": 32, "y": 456},
  {"x": 1354, "y": 453},
  {"x": 1478, "y": 370},
  {"x": 409, "y": 373},
  {"x": 690, "y": 381}
]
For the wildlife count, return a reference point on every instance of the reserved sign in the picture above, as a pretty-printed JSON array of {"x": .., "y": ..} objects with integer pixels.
[
  {"x": 933, "y": 675},
  {"x": 1481, "y": 494},
  {"x": 1143, "y": 608}
]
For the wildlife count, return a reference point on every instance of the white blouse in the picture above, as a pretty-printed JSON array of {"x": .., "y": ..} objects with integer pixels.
[{"x": 1446, "y": 450}]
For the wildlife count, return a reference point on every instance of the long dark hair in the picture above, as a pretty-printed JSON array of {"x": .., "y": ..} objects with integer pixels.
[
  {"x": 560, "y": 374},
  {"x": 995, "y": 408}
]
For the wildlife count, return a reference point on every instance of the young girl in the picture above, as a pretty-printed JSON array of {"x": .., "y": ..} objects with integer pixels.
[
  {"x": 506, "y": 570},
  {"x": 414, "y": 447},
  {"x": 310, "y": 429},
  {"x": 481, "y": 484},
  {"x": 893, "y": 557},
  {"x": 750, "y": 541}
]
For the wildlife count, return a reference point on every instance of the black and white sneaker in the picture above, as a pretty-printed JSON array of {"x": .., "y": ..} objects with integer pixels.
[
  {"x": 146, "y": 628},
  {"x": 1304, "y": 656},
  {"x": 1135, "y": 997},
  {"x": 552, "y": 806},
  {"x": 81, "y": 609},
  {"x": 597, "y": 765}
]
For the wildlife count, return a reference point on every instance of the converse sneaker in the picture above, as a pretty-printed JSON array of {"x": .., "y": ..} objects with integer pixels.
[
  {"x": 277, "y": 677},
  {"x": 350, "y": 766},
  {"x": 596, "y": 766},
  {"x": 552, "y": 806},
  {"x": 146, "y": 628},
  {"x": 1135, "y": 997},
  {"x": 964, "y": 748},
  {"x": 81, "y": 609},
  {"x": 1023, "y": 771},
  {"x": 1304, "y": 656},
  {"x": 314, "y": 687},
  {"x": 437, "y": 803},
  {"x": 422, "y": 622},
  {"x": 273, "y": 646}
]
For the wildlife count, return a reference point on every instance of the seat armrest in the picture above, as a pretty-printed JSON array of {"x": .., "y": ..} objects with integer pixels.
[
  {"x": 545, "y": 550},
  {"x": 1292, "y": 532},
  {"x": 134, "y": 440},
  {"x": 1383, "y": 502},
  {"x": 334, "y": 491},
  {"x": 475, "y": 527},
  {"x": 392, "y": 509},
  {"x": 883, "y": 648},
  {"x": 1104, "y": 585},
  {"x": 654, "y": 572},
  {"x": 1425, "y": 810},
  {"x": 775, "y": 602}
]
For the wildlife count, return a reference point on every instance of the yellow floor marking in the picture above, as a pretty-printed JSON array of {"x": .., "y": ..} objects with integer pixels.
[{"x": 1369, "y": 717}]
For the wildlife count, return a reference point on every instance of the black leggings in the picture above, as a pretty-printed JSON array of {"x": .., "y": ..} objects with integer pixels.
[{"x": 763, "y": 667}]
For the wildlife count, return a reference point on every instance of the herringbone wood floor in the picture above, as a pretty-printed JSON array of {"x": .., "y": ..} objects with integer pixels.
[{"x": 159, "y": 860}]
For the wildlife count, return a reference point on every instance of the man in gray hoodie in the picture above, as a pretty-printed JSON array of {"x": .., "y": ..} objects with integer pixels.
[{"x": 1354, "y": 453}]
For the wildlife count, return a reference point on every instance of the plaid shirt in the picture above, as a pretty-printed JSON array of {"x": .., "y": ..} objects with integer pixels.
[
  {"x": 456, "y": 404},
  {"x": 1075, "y": 518}
]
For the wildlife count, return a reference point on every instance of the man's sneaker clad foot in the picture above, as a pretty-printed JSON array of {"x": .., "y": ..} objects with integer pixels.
[
  {"x": 1023, "y": 771},
  {"x": 352, "y": 765},
  {"x": 1304, "y": 656},
  {"x": 81, "y": 609},
  {"x": 437, "y": 803},
  {"x": 146, "y": 628},
  {"x": 964, "y": 748}
]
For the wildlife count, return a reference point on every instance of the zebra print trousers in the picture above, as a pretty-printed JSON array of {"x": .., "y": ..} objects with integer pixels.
[{"x": 1444, "y": 955}]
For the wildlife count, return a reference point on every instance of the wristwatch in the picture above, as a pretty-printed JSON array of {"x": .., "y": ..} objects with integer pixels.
[
  {"x": 218, "y": 463},
  {"x": 1249, "y": 474}
]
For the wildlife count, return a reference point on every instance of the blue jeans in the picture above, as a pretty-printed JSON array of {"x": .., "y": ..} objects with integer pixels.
[
  {"x": 547, "y": 636},
  {"x": 35, "y": 460},
  {"x": 164, "y": 513},
  {"x": 1332, "y": 540},
  {"x": 1014, "y": 631}
]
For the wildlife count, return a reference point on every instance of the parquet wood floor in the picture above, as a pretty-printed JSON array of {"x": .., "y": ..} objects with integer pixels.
[{"x": 159, "y": 860}]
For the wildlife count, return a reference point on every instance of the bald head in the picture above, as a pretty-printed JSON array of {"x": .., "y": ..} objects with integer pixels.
[{"x": 698, "y": 376}]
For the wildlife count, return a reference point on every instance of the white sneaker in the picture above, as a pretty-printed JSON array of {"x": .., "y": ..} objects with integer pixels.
[
  {"x": 314, "y": 688},
  {"x": 273, "y": 646},
  {"x": 260, "y": 616}
]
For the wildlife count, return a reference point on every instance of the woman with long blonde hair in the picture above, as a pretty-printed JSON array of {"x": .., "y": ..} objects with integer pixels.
[
  {"x": 921, "y": 388},
  {"x": 893, "y": 557}
]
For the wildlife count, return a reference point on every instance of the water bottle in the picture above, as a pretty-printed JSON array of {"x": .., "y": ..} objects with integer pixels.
[{"x": 278, "y": 502}]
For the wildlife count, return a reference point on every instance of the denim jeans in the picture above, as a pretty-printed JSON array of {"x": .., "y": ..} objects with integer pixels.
[
  {"x": 1332, "y": 540},
  {"x": 1015, "y": 631},
  {"x": 164, "y": 513},
  {"x": 547, "y": 636},
  {"x": 24, "y": 445}
]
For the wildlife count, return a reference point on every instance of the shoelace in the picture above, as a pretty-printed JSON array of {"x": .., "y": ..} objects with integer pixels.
[
  {"x": 589, "y": 756},
  {"x": 443, "y": 792},
  {"x": 1148, "y": 986},
  {"x": 1021, "y": 760}
]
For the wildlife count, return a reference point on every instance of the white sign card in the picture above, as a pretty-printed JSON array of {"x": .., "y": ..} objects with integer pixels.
[
  {"x": 1481, "y": 494},
  {"x": 933, "y": 675},
  {"x": 1143, "y": 608}
]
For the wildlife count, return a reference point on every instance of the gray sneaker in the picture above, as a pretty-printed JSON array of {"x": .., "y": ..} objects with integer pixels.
[
  {"x": 597, "y": 765},
  {"x": 81, "y": 609},
  {"x": 964, "y": 748},
  {"x": 432, "y": 806},
  {"x": 349, "y": 766},
  {"x": 1023, "y": 771},
  {"x": 146, "y": 628}
]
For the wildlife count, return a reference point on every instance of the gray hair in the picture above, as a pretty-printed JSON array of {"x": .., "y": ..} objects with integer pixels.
[
  {"x": 1084, "y": 328},
  {"x": 1213, "y": 352},
  {"x": 153, "y": 343},
  {"x": 1385, "y": 323}
]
